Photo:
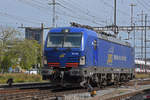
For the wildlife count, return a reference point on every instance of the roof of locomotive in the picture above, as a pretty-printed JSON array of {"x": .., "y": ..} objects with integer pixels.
[
  {"x": 71, "y": 29},
  {"x": 92, "y": 33}
]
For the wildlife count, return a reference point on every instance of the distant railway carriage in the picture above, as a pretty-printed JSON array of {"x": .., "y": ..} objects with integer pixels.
[
  {"x": 140, "y": 66},
  {"x": 76, "y": 55}
]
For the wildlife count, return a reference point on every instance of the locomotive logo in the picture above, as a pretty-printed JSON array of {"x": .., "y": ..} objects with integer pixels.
[
  {"x": 110, "y": 56},
  {"x": 62, "y": 55},
  {"x": 110, "y": 59}
]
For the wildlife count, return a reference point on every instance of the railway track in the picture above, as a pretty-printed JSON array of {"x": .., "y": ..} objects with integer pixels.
[
  {"x": 128, "y": 93},
  {"x": 29, "y": 94},
  {"x": 25, "y": 85},
  {"x": 51, "y": 93}
]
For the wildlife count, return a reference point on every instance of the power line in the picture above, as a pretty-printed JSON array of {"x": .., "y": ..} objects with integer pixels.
[
  {"x": 82, "y": 9},
  {"x": 79, "y": 7},
  {"x": 36, "y": 5},
  {"x": 54, "y": 12},
  {"x": 2, "y": 22},
  {"x": 39, "y": 2},
  {"x": 17, "y": 18},
  {"x": 82, "y": 12},
  {"x": 109, "y": 5},
  {"x": 144, "y": 2},
  {"x": 145, "y": 38},
  {"x": 142, "y": 5},
  {"x": 79, "y": 18},
  {"x": 74, "y": 17},
  {"x": 74, "y": 11}
]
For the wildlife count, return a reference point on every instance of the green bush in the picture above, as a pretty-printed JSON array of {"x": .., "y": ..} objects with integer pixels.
[{"x": 20, "y": 78}]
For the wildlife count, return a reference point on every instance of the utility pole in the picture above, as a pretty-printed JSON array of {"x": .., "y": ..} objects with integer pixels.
[
  {"x": 134, "y": 40},
  {"x": 115, "y": 16},
  {"x": 132, "y": 5},
  {"x": 145, "y": 38},
  {"x": 42, "y": 45},
  {"x": 54, "y": 12},
  {"x": 142, "y": 21}
]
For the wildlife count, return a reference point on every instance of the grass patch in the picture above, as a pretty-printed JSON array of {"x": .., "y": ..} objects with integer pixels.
[
  {"x": 142, "y": 75},
  {"x": 20, "y": 78}
]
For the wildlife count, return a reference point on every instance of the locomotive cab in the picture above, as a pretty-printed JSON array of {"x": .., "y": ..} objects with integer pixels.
[{"x": 63, "y": 55}]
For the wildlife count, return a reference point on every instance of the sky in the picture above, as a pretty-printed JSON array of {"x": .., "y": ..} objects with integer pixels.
[{"x": 31, "y": 13}]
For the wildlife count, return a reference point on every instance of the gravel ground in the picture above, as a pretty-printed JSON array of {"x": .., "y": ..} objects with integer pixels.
[{"x": 110, "y": 92}]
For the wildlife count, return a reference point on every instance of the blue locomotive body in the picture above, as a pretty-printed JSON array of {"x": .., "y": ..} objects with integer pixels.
[
  {"x": 115, "y": 55},
  {"x": 78, "y": 54}
]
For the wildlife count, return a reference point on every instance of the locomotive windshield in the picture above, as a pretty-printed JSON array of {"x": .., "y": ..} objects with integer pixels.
[{"x": 72, "y": 40}]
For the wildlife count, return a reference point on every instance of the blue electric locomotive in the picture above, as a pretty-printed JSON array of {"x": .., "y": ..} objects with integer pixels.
[{"x": 75, "y": 55}]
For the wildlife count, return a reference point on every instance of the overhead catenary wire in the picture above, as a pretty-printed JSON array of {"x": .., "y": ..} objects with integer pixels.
[
  {"x": 85, "y": 13},
  {"x": 17, "y": 18},
  {"x": 63, "y": 13},
  {"x": 46, "y": 8},
  {"x": 85, "y": 10},
  {"x": 72, "y": 16},
  {"x": 79, "y": 10},
  {"x": 142, "y": 4},
  {"x": 75, "y": 12},
  {"x": 75, "y": 17},
  {"x": 84, "y": 18},
  {"x": 66, "y": 7},
  {"x": 5, "y": 22},
  {"x": 109, "y": 5},
  {"x": 78, "y": 7},
  {"x": 39, "y": 2},
  {"x": 146, "y": 4},
  {"x": 35, "y": 4}
]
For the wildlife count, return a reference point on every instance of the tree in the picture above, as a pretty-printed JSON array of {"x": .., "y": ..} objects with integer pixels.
[
  {"x": 17, "y": 52},
  {"x": 28, "y": 51},
  {"x": 7, "y": 35},
  {"x": 6, "y": 62}
]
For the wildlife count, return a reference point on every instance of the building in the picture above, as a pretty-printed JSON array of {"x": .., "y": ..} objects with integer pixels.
[{"x": 33, "y": 34}]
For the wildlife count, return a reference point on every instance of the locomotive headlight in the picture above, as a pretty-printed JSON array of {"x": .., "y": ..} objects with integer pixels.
[
  {"x": 45, "y": 60},
  {"x": 82, "y": 60}
]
